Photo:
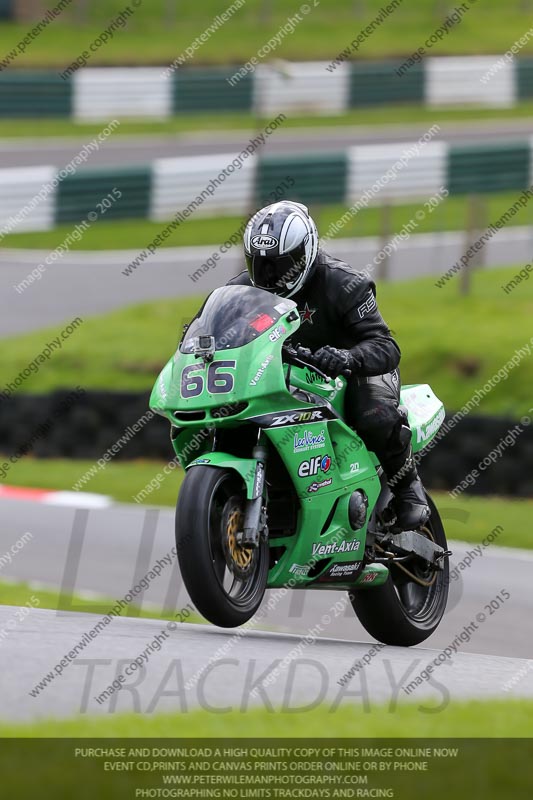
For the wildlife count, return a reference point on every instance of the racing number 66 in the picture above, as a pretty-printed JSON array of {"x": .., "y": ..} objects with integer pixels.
[{"x": 217, "y": 382}]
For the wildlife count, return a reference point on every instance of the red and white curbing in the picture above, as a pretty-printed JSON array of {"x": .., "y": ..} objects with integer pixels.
[{"x": 55, "y": 498}]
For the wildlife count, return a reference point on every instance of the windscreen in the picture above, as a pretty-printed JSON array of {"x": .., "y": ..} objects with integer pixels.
[{"x": 235, "y": 316}]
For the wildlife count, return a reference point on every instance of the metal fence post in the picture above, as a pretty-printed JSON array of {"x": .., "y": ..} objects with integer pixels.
[
  {"x": 476, "y": 221},
  {"x": 385, "y": 233}
]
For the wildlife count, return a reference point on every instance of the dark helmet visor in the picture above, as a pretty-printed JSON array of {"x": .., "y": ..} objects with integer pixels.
[{"x": 275, "y": 273}]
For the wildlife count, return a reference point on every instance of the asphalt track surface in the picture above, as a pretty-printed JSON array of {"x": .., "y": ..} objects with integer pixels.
[
  {"x": 178, "y": 678},
  {"x": 142, "y": 149},
  {"x": 108, "y": 551},
  {"x": 89, "y": 283}
]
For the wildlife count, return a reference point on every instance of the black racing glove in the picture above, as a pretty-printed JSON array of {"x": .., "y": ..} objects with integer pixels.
[{"x": 334, "y": 362}]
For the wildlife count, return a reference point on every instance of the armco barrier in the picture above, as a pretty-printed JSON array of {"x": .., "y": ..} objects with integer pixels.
[
  {"x": 318, "y": 179},
  {"x": 204, "y": 89},
  {"x": 19, "y": 189},
  {"x": 99, "y": 419},
  {"x": 311, "y": 87},
  {"x": 489, "y": 168},
  {"x": 454, "y": 81},
  {"x": 177, "y": 181},
  {"x": 375, "y": 84},
  {"x": 34, "y": 94},
  {"x": 165, "y": 187},
  {"x": 7, "y": 9},
  {"x": 80, "y": 194},
  {"x": 118, "y": 92},
  {"x": 524, "y": 78}
]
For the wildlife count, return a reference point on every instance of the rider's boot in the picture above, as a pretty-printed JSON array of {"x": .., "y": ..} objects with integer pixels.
[{"x": 410, "y": 502}]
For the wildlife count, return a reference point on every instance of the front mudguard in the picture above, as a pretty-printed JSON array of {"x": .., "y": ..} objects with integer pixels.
[{"x": 245, "y": 467}]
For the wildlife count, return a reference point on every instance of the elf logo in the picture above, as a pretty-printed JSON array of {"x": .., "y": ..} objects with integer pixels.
[
  {"x": 262, "y": 241},
  {"x": 313, "y": 465},
  {"x": 277, "y": 333}
]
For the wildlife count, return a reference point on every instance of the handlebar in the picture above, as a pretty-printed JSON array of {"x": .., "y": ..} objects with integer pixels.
[{"x": 303, "y": 357}]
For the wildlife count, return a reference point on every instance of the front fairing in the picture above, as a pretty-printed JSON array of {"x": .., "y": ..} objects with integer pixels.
[{"x": 242, "y": 375}]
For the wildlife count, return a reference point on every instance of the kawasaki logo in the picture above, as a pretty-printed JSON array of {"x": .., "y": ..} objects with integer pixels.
[
  {"x": 426, "y": 432},
  {"x": 345, "y": 569}
]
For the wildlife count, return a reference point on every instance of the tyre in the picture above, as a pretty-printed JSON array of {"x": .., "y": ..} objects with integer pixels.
[
  {"x": 403, "y": 611},
  {"x": 225, "y": 581}
]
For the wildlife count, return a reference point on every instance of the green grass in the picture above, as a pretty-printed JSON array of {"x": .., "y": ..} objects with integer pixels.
[
  {"x": 466, "y": 518},
  {"x": 156, "y": 35},
  {"x": 456, "y": 343},
  {"x": 120, "y": 479},
  {"x": 453, "y": 342},
  {"x": 466, "y": 719},
  {"x": 449, "y": 215},
  {"x": 99, "y": 353},
  {"x": 18, "y": 594},
  {"x": 491, "y": 769},
  {"x": 184, "y": 123}
]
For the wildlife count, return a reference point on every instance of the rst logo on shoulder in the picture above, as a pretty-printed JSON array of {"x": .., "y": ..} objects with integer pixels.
[{"x": 368, "y": 306}]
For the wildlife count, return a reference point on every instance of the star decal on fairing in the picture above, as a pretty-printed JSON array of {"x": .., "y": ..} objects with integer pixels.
[{"x": 307, "y": 314}]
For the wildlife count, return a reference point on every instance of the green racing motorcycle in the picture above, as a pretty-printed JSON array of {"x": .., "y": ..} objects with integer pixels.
[{"x": 279, "y": 491}]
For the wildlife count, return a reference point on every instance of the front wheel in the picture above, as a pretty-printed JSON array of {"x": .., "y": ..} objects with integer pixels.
[
  {"x": 225, "y": 581},
  {"x": 408, "y": 608}
]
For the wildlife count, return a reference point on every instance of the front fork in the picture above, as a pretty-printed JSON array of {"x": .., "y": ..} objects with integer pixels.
[{"x": 255, "y": 523}]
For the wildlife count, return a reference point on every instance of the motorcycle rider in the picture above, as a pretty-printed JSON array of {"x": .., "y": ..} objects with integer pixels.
[{"x": 342, "y": 325}]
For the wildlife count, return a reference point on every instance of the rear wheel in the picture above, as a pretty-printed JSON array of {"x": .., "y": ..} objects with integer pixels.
[
  {"x": 226, "y": 582},
  {"x": 408, "y": 608}
]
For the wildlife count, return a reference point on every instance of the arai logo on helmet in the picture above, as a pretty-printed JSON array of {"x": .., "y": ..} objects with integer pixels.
[{"x": 262, "y": 241}]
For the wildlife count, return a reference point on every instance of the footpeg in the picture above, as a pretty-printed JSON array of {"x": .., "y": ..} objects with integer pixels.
[{"x": 420, "y": 545}]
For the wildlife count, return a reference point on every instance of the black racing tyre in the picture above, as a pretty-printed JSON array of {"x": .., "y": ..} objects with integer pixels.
[
  {"x": 225, "y": 581},
  {"x": 403, "y": 612}
]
